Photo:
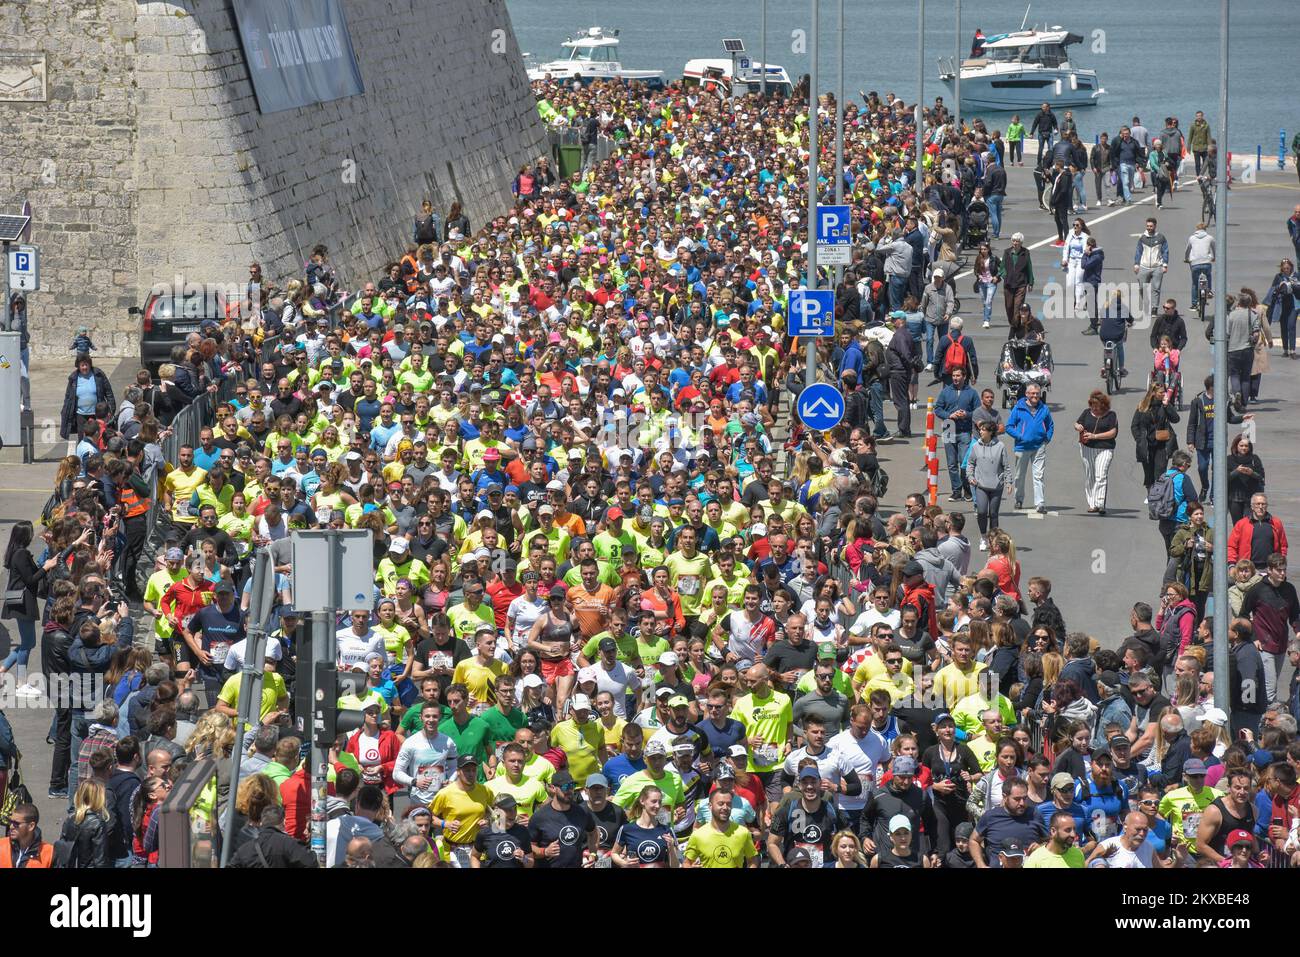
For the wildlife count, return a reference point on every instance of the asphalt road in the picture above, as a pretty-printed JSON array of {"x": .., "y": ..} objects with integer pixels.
[{"x": 1100, "y": 565}]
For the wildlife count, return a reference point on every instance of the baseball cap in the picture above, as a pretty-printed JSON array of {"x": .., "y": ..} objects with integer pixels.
[
  {"x": 614, "y": 513},
  {"x": 1062, "y": 780},
  {"x": 505, "y": 802},
  {"x": 665, "y": 693},
  {"x": 224, "y": 587},
  {"x": 810, "y": 772},
  {"x": 904, "y": 764},
  {"x": 607, "y": 644},
  {"x": 466, "y": 761},
  {"x": 399, "y": 546},
  {"x": 1109, "y": 679},
  {"x": 562, "y": 779},
  {"x": 655, "y": 747},
  {"x": 174, "y": 555},
  {"x": 683, "y": 747},
  {"x": 726, "y": 772},
  {"x": 668, "y": 659},
  {"x": 913, "y": 568},
  {"x": 597, "y": 781},
  {"x": 678, "y": 701},
  {"x": 546, "y": 510},
  {"x": 1119, "y": 741},
  {"x": 738, "y": 751},
  {"x": 484, "y": 513},
  {"x": 532, "y": 681},
  {"x": 799, "y": 855},
  {"x": 557, "y": 591},
  {"x": 586, "y": 674},
  {"x": 1012, "y": 850},
  {"x": 1239, "y": 836},
  {"x": 554, "y": 486},
  {"x": 1193, "y": 767},
  {"x": 900, "y": 822},
  {"x": 1214, "y": 716},
  {"x": 943, "y": 716},
  {"x": 581, "y": 702},
  {"x": 826, "y": 651}
]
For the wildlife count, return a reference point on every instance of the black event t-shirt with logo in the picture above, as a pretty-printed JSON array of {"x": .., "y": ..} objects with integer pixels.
[
  {"x": 218, "y": 631},
  {"x": 498, "y": 847},
  {"x": 799, "y": 827},
  {"x": 569, "y": 828},
  {"x": 608, "y": 821}
]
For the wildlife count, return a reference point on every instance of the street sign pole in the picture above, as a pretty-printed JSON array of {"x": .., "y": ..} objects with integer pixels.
[
  {"x": 250, "y": 682},
  {"x": 920, "y": 96},
  {"x": 1222, "y": 397},
  {"x": 956, "y": 78},
  {"x": 810, "y": 371},
  {"x": 839, "y": 137}
]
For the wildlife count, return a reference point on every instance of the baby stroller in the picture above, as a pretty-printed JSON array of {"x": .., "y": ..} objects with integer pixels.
[
  {"x": 1024, "y": 362},
  {"x": 977, "y": 224},
  {"x": 1169, "y": 381}
]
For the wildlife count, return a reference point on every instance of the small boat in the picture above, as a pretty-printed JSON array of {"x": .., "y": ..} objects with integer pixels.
[
  {"x": 1023, "y": 70},
  {"x": 591, "y": 56},
  {"x": 749, "y": 78}
]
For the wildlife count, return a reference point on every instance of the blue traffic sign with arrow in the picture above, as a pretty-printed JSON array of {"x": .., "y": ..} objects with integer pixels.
[{"x": 820, "y": 407}]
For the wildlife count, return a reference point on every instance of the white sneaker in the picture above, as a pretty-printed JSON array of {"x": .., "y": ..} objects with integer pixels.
[
  {"x": 1110, "y": 202},
  {"x": 986, "y": 324},
  {"x": 912, "y": 406},
  {"x": 1144, "y": 502},
  {"x": 928, "y": 367},
  {"x": 984, "y": 545},
  {"x": 27, "y": 691}
]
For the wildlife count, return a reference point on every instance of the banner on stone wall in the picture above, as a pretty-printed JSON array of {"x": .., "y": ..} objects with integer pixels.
[{"x": 298, "y": 52}]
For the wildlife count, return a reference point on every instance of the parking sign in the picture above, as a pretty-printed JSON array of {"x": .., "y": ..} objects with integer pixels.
[
  {"x": 834, "y": 232},
  {"x": 812, "y": 312},
  {"x": 24, "y": 269}
]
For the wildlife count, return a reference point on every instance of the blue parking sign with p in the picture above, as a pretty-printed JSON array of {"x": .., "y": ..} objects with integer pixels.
[
  {"x": 834, "y": 225},
  {"x": 812, "y": 312}
]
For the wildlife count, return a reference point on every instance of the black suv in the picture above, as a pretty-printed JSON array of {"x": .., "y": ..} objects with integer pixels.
[{"x": 169, "y": 315}]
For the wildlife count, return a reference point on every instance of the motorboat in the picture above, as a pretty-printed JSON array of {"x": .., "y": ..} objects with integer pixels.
[
  {"x": 748, "y": 76},
  {"x": 1023, "y": 70},
  {"x": 592, "y": 55}
]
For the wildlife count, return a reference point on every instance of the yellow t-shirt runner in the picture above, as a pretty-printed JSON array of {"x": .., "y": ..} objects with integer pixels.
[
  {"x": 768, "y": 721},
  {"x": 730, "y": 847}
]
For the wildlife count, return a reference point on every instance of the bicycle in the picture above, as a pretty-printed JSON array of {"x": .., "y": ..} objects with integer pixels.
[
  {"x": 1208, "y": 211},
  {"x": 1202, "y": 295},
  {"x": 1110, "y": 366}
]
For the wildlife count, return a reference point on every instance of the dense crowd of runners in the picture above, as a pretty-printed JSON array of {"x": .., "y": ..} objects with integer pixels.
[{"x": 626, "y": 613}]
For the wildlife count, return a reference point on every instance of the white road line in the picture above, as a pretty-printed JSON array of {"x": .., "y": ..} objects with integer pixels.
[{"x": 1090, "y": 222}]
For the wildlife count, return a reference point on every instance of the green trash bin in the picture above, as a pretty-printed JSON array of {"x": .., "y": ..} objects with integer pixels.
[{"x": 570, "y": 159}]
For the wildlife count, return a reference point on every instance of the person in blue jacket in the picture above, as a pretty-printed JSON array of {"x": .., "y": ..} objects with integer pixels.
[
  {"x": 1030, "y": 425},
  {"x": 955, "y": 407}
]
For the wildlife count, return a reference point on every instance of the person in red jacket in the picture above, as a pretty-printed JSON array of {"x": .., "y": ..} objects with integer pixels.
[
  {"x": 375, "y": 748},
  {"x": 1257, "y": 535},
  {"x": 919, "y": 593}
]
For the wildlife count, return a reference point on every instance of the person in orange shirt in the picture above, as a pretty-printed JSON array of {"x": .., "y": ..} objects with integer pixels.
[
  {"x": 591, "y": 601},
  {"x": 24, "y": 847}
]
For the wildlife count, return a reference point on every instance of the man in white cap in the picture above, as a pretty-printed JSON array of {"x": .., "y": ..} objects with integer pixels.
[
  {"x": 581, "y": 738},
  {"x": 1017, "y": 275},
  {"x": 937, "y": 309}
]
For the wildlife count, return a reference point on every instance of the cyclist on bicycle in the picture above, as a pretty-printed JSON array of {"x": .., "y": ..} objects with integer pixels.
[
  {"x": 1115, "y": 321},
  {"x": 1199, "y": 255}
]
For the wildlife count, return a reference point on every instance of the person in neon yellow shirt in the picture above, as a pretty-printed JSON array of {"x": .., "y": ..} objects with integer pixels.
[
  {"x": 689, "y": 571},
  {"x": 480, "y": 673},
  {"x": 510, "y": 779},
  {"x": 581, "y": 738},
  {"x": 460, "y": 807},
  {"x": 1060, "y": 849},
  {"x": 959, "y": 678},
  {"x": 173, "y": 570},
  {"x": 657, "y": 772},
  {"x": 767, "y": 716},
  {"x": 471, "y": 614},
  {"x": 721, "y": 843}
]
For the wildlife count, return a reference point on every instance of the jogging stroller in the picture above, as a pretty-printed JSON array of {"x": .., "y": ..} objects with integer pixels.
[
  {"x": 977, "y": 224},
  {"x": 1024, "y": 362}
]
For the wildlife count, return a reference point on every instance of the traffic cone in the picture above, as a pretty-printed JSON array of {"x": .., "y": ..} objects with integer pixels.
[{"x": 931, "y": 452}]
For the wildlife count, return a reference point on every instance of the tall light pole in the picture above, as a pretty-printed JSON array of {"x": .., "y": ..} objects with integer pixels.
[
  {"x": 920, "y": 94},
  {"x": 839, "y": 137},
  {"x": 956, "y": 75},
  {"x": 810, "y": 373},
  {"x": 1221, "y": 395},
  {"x": 762, "y": 44}
]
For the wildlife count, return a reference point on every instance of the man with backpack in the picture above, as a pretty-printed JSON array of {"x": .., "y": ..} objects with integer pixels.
[
  {"x": 904, "y": 355},
  {"x": 956, "y": 351},
  {"x": 875, "y": 375},
  {"x": 955, "y": 408},
  {"x": 1168, "y": 498}
]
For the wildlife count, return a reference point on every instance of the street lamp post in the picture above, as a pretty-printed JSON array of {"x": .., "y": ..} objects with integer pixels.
[
  {"x": 1222, "y": 613},
  {"x": 839, "y": 135},
  {"x": 762, "y": 43},
  {"x": 920, "y": 94},
  {"x": 810, "y": 373},
  {"x": 956, "y": 74}
]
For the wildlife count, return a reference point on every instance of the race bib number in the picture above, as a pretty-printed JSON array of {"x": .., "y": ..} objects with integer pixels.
[
  {"x": 218, "y": 650},
  {"x": 766, "y": 755},
  {"x": 689, "y": 585}
]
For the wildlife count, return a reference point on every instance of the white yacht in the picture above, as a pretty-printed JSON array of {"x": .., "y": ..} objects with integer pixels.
[
  {"x": 592, "y": 55},
  {"x": 1023, "y": 70}
]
